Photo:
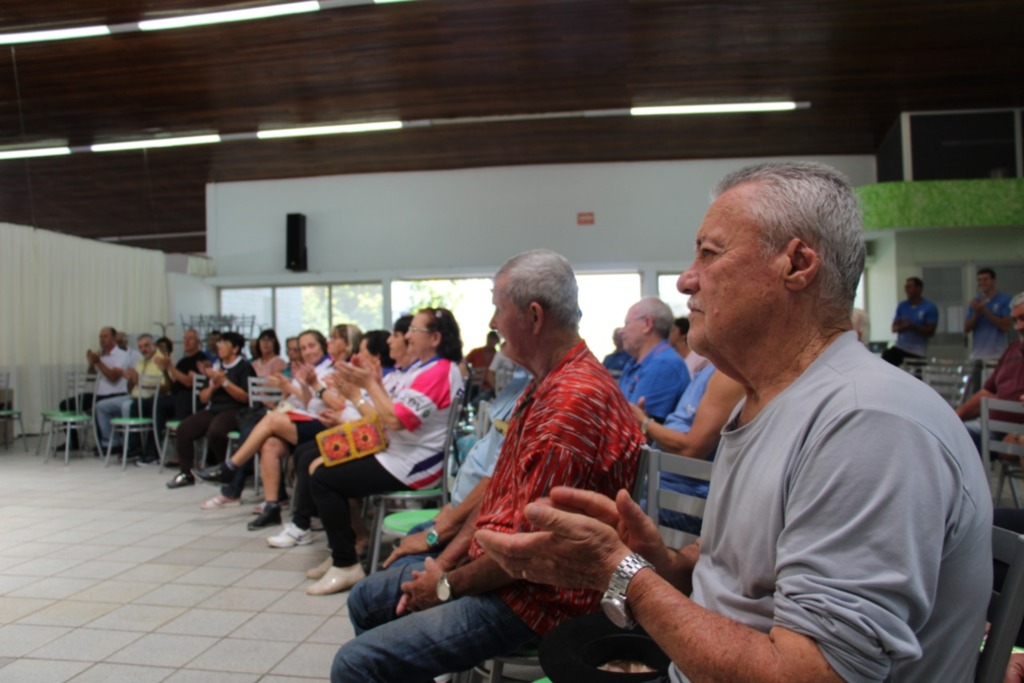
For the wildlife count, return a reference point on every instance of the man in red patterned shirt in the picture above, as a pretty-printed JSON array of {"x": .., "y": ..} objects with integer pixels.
[{"x": 571, "y": 427}]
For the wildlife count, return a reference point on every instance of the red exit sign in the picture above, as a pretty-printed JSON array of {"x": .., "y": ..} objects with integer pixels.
[{"x": 585, "y": 218}]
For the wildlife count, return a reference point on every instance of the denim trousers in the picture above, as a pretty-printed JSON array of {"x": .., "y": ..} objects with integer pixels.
[
  {"x": 106, "y": 410},
  {"x": 454, "y": 636}
]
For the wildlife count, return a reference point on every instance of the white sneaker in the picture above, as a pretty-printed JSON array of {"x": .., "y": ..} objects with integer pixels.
[
  {"x": 219, "y": 501},
  {"x": 290, "y": 537}
]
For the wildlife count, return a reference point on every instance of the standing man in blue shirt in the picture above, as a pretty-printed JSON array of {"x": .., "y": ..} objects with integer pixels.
[
  {"x": 656, "y": 373},
  {"x": 988, "y": 318},
  {"x": 914, "y": 323}
]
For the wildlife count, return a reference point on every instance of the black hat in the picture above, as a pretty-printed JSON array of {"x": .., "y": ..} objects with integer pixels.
[{"x": 572, "y": 651}]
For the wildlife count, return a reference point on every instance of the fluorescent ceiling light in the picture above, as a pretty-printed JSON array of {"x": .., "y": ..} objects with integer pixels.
[
  {"x": 155, "y": 142},
  {"x": 55, "y": 34},
  {"x": 31, "y": 153},
  {"x": 229, "y": 15},
  {"x": 714, "y": 108},
  {"x": 328, "y": 130}
]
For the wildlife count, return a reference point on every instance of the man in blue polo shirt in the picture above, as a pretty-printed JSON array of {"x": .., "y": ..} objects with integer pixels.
[
  {"x": 914, "y": 323},
  {"x": 656, "y": 373},
  {"x": 988, "y": 318}
]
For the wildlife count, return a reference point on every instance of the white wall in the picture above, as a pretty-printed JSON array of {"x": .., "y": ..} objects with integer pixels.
[
  {"x": 188, "y": 296},
  {"x": 441, "y": 223}
]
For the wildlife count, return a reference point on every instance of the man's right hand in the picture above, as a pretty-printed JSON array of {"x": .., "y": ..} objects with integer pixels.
[{"x": 412, "y": 544}]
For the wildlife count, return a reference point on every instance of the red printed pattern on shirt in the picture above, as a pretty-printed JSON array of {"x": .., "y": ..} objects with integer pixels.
[{"x": 573, "y": 429}]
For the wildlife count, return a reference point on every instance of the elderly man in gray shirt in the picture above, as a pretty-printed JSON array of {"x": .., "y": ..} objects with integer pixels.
[{"x": 848, "y": 529}]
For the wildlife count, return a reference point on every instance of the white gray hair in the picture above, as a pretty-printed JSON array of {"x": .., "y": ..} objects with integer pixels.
[
  {"x": 815, "y": 203},
  {"x": 659, "y": 313},
  {"x": 1017, "y": 301},
  {"x": 545, "y": 277}
]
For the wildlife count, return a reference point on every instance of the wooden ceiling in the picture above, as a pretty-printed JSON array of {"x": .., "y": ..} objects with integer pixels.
[{"x": 858, "y": 62}]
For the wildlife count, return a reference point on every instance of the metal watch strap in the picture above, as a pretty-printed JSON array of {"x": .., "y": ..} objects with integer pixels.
[{"x": 624, "y": 573}]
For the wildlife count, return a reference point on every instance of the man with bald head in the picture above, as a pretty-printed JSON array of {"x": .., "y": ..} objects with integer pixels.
[
  {"x": 847, "y": 534},
  {"x": 656, "y": 376}
]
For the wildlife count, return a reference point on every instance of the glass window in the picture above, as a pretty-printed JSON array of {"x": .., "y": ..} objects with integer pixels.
[
  {"x": 362, "y": 304},
  {"x": 301, "y": 308},
  {"x": 469, "y": 300},
  {"x": 251, "y": 308},
  {"x": 604, "y": 300},
  {"x": 668, "y": 293}
]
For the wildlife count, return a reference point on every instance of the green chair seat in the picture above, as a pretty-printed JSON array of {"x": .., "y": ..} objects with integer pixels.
[
  {"x": 413, "y": 495},
  {"x": 403, "y": 522},
  {"x": 234, "y": 435},
  {"x": 131, "y": 421}
]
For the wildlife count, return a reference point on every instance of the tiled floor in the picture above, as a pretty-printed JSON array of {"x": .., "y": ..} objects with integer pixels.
[{"x": 109, "y": 576}]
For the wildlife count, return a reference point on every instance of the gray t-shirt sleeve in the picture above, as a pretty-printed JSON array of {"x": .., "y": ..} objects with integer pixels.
[{"x": 855, "y": 569}]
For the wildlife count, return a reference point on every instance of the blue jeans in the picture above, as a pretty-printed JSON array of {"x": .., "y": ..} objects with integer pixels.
[
  {"x": 106, "y": 410},
  {"x": 454, "y": 636}
]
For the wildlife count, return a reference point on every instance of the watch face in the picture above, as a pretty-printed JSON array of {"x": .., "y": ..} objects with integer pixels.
[
  {"x": 432, "y": 538},
  {"x": 444, "y": 589},
  {"x": 615, "y": 610}
]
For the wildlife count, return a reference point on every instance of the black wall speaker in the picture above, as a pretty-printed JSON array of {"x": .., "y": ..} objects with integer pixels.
[{"x": 296, "y": 254}]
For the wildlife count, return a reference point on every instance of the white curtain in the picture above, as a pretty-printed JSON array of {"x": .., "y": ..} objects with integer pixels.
[{"x": 56, "y": 292}]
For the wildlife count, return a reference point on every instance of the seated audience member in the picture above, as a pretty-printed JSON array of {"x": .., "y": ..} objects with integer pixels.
[
  {"x": 298, "y": 530},
  {"x": 304, "y": 397},
  {"x": 226, "y": 394},
  {"x": 417, "y": 423},
  {"x": 480, "y": 360},
  {"x": 501, "y": 369},
  {"x": 571, "y": 425},
  {"x": 343, "y": 341},
  {"x": 1005, "y": 382},
  {"x": 468, "y": 490},
  {"x": 677, "y": 338},
  {"x": 121, "y": 406},
  {"x": 373, "y": 349},
  {"x": 121, "y": 339},
  {"x": 693, "y": 430},
  {"x": 108, "y": 365},
  {"x": 266, "y": 357},
  {"x": 616, "y": 361},
  {"x": 823, "y": 557},
  {"x": 211, "y": 346},
  {"x": 178, "y": 404},
  {"x": 165, "y": 346},
  {"x": 655, "y": 372},
  {"x": 291, "y": 349}
]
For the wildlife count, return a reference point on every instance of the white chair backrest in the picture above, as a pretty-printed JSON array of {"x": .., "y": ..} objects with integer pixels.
[
  {"x": 993, "y": 428},
  {"x": 649, "y": 488},
  {"x": 1005, "y": 607},
  {"x": 260, "y": 392},
  {"x": 950, "y": 380},
  {"x": 149, "y": 387},
  {"x": 450, "y": 463},
  {"x": 199, "y": 382}
]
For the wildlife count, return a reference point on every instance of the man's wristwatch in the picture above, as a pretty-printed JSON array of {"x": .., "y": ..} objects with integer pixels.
[
  {"x": 433, "y": 540},
  {"x": 319, "y": 392},
  {"x": 613, "y": 602},
  {"x": 444, "y": 589}
]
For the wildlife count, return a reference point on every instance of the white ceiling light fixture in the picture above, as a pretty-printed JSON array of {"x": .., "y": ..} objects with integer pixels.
[
  {"x": 32, "y": 153},
  {"x": 155, "y": 143},
  {"x": 53, "y": 34},
  {"x": 229, "y": 16},
  {"x": 328, "y": 130},
  {"x": 723, "y": 108}
]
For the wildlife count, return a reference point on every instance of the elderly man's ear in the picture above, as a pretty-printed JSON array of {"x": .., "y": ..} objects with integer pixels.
[{"x": 803, "y": 264}]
